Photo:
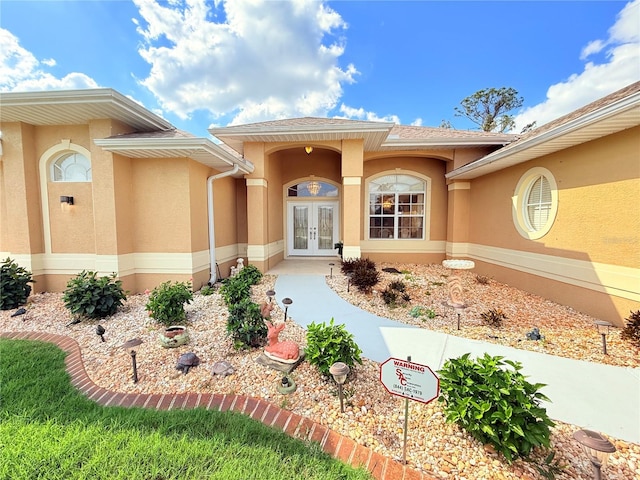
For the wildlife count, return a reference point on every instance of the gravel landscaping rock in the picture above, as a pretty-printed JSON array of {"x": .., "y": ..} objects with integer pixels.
[{"x": 372, "y": 417}]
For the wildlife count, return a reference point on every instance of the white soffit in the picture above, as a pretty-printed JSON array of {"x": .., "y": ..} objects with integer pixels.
[
  {"x": 608, "y": 120},
  {"x": 201, "y": 150},
  {"x": 77, "y": 107},
  {"x": 372, "y": 133}
]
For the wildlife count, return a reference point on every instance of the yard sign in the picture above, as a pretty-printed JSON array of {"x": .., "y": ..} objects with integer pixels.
[{"x": 409, "y": 380}]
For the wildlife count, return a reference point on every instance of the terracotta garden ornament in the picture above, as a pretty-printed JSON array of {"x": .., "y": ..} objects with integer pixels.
[{"x": 287, "y": 351}]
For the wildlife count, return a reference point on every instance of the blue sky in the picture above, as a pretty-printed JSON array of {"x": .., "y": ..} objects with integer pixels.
[{"x": 203, "y": 62}]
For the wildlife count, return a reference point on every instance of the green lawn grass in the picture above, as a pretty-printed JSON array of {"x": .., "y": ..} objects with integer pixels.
[{"x": 48, "y": 430}]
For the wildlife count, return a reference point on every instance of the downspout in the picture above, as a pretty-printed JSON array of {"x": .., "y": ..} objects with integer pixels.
[{"x": 212, "y": 235}]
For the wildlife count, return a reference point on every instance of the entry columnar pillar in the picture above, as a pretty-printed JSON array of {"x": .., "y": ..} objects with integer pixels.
[
  {"x": 257, "y": 207},
  {"x": 352, "y": 205},
  {"x": 458, "y": 219}
]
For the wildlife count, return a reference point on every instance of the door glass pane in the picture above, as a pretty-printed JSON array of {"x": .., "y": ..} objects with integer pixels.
[
  {"x": 325, "y": 228},
  {"x": 300, "y": 228}
]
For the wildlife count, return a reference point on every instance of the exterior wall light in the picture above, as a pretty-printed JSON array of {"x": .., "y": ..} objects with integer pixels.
[
  {"x": 603, "y": 329},
  {"x": 339, "y": 372},
  {"x": 66, "y": 199},
  {"x": 597, "y": 448},
  {"x": 132, "y": 346},
  {"x": 286, "y": 301}
]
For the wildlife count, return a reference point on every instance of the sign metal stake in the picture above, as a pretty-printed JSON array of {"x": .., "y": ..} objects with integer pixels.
[{"x": 406, "y": 425}]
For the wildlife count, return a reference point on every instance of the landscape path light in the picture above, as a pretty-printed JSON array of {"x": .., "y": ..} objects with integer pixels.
[
  {"x": 331, "y": 270},
  {"x": 100, "y": 332},
  {"x": 603, "y": 329},
  {"x": 597, "y": 448},
  {"x": 339, "y": 372},
  {"x": 271, "y": 294},
  {"x": 286, "y": 301},
  {"x": 132, "y": 346}
]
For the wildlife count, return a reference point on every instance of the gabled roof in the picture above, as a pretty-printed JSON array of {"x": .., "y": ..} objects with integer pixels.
[
  {"x": 172, "y": 144},
  {"x": 606, "y": 116},
  {"x": 377, "y": 136},
  {"x": 77, "y": 107}
]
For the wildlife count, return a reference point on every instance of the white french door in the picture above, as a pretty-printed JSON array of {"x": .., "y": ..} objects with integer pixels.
[{"x": 312, "y": 228}]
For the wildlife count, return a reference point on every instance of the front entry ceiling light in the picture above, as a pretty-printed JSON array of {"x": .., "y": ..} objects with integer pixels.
[{"x": 308, "y": 149}]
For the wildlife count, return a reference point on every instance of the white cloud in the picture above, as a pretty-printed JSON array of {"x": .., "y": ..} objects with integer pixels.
[
  {"x": 20, "y": 70},
  {"x": 596, "y": 80},
  {"x": 361, "y": 114},
  {"x": 266, "y": 59}
]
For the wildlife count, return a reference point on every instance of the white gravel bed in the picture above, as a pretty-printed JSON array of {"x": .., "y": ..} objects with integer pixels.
[{"x": 372, "y": 417}]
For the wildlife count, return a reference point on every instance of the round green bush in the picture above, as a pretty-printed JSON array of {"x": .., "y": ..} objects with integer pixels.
[
  {"x": 88, "y": 296},
  {"x": 14, "y": 285},
  {"x": 166, "y": 302},
  {"x": 495, "y": 404},
  {"x": 328, "y": 344}
]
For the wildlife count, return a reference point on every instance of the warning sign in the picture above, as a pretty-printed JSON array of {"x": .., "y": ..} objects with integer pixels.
[{"x": 409, "y": 380}]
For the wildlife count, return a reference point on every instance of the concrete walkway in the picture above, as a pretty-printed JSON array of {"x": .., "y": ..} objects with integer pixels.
[{"x": 590, "y": 395}]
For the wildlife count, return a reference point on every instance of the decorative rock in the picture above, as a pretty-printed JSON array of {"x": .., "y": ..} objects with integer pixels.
[
  {"x": 222, "y": 369},
  {"x": 186, "y": 361}
]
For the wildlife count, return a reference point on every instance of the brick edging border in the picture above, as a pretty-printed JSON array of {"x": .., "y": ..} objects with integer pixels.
[{"x": 294, "y": 425}]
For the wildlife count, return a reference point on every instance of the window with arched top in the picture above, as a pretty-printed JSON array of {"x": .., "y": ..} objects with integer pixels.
[
  {"x": 71, "y": 167},
  {"x": 397, "y": 206}
]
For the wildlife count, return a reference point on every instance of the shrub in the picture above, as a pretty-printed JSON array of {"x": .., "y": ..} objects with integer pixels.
[
  {"x": 495, "y": 404},
  {"x": 88, "y": 296},
  {"x": 631, "y": 331},
  {"x": 245, "y": 324},
  {"x": 207, "y": 290},
  {"x": 493, "y": 317},
  {"x": 251, "y": 274},
  {"x": 363, "y": 273},
  {"x": 420, "y": 311},
  {"x": 14, "y": 288},
  {"x": 235, "y": 289},
  {"x": 350, "y": 265},
  {"x": 166, "y": 302},
  {"x": 328, "y": 344},
  {"x": 395, "y": 294}
]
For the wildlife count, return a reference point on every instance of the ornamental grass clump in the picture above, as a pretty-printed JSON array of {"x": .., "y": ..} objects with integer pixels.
[
  {"x": 493, "y": 317},
  {"x": 14, "y": 285},
  {"x": 631, "y": 331},
  {"x": 166, "y": 302},
  {"x": 396, "y": 294},
  {"x": 495, "y": 404},
  {"x": 90, "y": 296},
  {"x": 363, "y": 273},
  {"x": 328, "y": 344}
]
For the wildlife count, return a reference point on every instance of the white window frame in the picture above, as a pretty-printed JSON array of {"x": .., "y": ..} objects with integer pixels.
[
  {"x": 521, "y": 203},
  {"x": 74, "y": 158},
  {"x": 396, "y": 214}
]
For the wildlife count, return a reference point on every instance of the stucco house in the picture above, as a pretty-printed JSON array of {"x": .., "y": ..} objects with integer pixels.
[{"x": 91, "y": 180}]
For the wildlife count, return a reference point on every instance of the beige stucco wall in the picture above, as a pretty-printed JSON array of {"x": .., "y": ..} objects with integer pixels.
[{"x": 597, "y": 225}]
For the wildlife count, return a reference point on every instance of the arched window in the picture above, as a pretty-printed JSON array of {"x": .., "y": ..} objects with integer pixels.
[
  {"x": 71, "y": 167},
  {"x": 397, "y": 205},
  {"x": 312, "y": 188}
]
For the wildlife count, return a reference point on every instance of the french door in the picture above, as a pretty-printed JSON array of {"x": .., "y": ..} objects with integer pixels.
[{"x": 312, "y": 228}]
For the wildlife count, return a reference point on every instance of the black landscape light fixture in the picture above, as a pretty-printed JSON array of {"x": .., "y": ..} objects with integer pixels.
[
  {"x": 132, "y": 346},
  {"x": 349, "y": 277},
  {"x": 331, "y": 270},
  {"x": 603, "y": 329},
  {"x": 286, "y": 385},
  {"x": 286, "y": 301},
  {"x": 339, "y": 372},
  {"x": 597, "y": 448},
  {"x": 100, "y": 332},
  {"x": 66, "y": 199},
  {"x": 270, "y": 295}
]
